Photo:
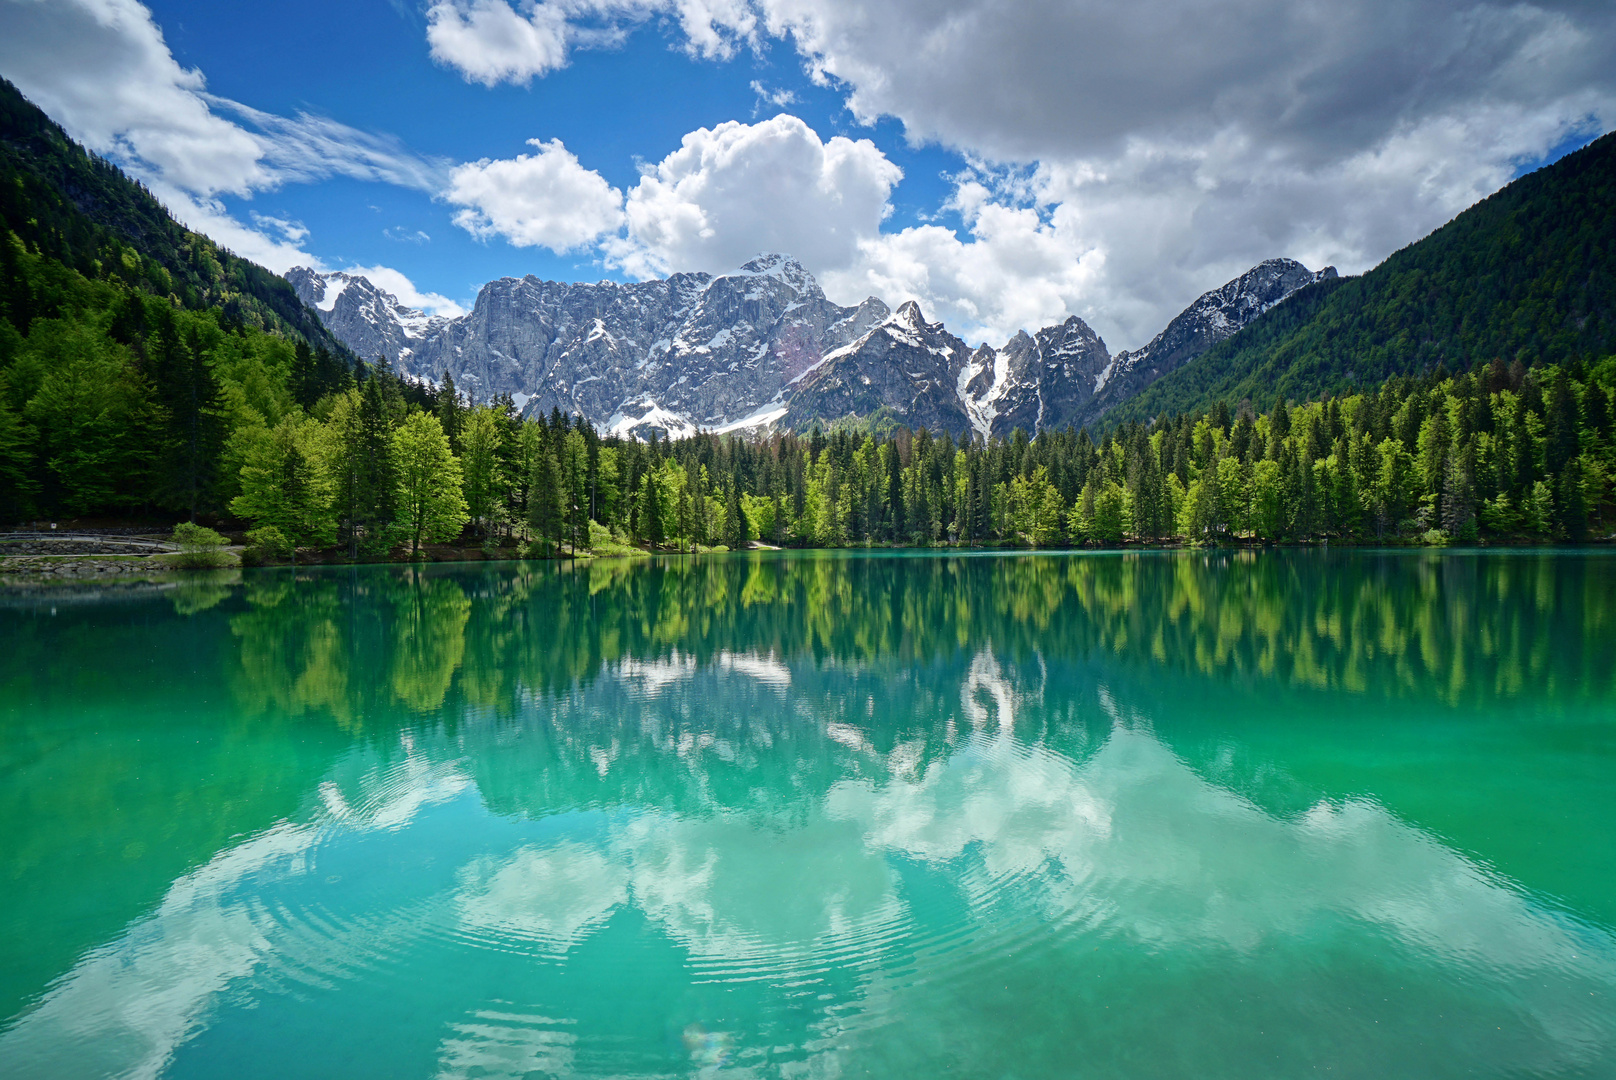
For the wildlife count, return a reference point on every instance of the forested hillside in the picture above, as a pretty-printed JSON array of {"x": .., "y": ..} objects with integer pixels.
[
  {"x": 84, "y": 212},
  {"x": 116, "y": 400},
  {"x": 130, "y": 388},
  {"x": 1526, "y": 275}
]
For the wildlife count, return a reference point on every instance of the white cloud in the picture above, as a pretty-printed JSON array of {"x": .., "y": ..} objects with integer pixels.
[
  {"x": 490, "y": 43},
  {"x": 545, "y": 199},
  {"x": 734, "y": 190},
  {"x": 102, "y": 69},
  {"x": 778, "y": 98},
  {"x": 1015, "y": 271},
  {"x": 293, "y": 232},
  {"x": 308, "y": 147},
  {"x": 714, "y": 29},
  {"x": 495, "y": 41},
  {"x": 1173, "y": 145},
  {"x": 1043, "y": 79}
]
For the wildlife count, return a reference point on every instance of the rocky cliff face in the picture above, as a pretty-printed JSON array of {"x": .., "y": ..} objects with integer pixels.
[
  {"x": 763, "y": 347},
  {"x": 672, "y": 355},
  {"x": 1036, "y": 381},
  {"x": 903, "y": 368},
  {"x": 369, "y": 321}
]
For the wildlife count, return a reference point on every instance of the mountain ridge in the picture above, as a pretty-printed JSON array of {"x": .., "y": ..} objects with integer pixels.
[
  {"x": 1525, "y": 275},
  {"x": 82, "y": 210},
  {"x": 762, "y": 348}
]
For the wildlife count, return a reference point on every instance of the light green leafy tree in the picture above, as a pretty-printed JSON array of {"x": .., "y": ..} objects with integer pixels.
[
  {"x": 482, "y": 442},
  {"x": 286, "y": 481},
  {"x": 430, "y": 505},
  {"x": 1036, "y": 508},
  {"x": 1267, "y": 500},
  {"x": 757, "y": 511}
]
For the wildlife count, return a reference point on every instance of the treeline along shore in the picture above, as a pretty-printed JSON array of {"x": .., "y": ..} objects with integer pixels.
[{"x": 116, "y": 401}]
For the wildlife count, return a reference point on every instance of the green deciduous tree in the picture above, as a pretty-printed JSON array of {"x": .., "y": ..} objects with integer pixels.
[
  {"x": 286, "y": 482},
  {"x": 430, "y": 507}
]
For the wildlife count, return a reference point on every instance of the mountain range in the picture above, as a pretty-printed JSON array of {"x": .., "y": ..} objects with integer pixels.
[
  {"x": 762, "y": 347},
  {"x": 1525, "y": 276}
]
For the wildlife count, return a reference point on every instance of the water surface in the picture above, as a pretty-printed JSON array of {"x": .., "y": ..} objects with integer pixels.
[{"x": 819, "y": 815}]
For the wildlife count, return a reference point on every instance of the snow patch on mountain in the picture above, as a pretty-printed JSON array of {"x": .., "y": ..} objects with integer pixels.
[{"x": 762, "y": 347}]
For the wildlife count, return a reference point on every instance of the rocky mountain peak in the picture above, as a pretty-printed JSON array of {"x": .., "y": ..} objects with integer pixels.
[
  {"x": 762, "y": 346},
  {"x": 784, "y": 269},
  {"x": 908, "y": 316},
  {"x": 369, "y": 320}
]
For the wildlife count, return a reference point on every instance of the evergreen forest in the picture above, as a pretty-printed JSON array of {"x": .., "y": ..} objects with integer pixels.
[
  {"x": 114, "y": 400},
  {"x": 1462, "y": 392},
  {"x": 1527, "y": 274}
]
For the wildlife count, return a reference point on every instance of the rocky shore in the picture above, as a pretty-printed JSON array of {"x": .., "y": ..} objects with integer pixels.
[{"x": 15, "y": 569}]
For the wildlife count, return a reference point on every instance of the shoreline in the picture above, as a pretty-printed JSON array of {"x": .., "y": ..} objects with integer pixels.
[{"x": 33, "y": 569}]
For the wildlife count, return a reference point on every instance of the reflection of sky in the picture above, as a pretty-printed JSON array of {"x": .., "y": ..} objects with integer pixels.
[{"x": 892, "y": 883}]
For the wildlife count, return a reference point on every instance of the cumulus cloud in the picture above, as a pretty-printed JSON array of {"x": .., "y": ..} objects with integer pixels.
[
  {"x": 1126, "y": 243},
  {"x": 1061, "y": 78},
  {"x": 1167, "y": 145},
  {"x": 102, "y": 69},
  {"x": 734, "y": 190},
  {"x": 1178, "y": 144},
  {"x": 495, "y": 41},
  {"x": 489, "y": 42},
  {"x": 544, "y": 199}
]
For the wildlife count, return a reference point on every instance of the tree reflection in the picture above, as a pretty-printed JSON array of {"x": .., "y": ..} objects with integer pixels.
[{"x": 1447, "y": 628}]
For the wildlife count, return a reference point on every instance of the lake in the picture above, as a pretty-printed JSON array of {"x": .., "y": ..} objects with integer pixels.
[{"x": 1157, "y": 814}]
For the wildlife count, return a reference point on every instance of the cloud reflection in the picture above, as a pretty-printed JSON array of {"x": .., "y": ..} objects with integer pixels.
[{"x": 892, "y": 874}]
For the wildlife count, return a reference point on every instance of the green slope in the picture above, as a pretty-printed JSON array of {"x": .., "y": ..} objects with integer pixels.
[
  {"x": 1528, "y": 274},
  {"x": 73, "y": 207}
]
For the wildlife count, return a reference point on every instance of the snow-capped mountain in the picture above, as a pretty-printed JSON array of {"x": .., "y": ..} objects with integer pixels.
[
  {"x": 1034, "y": 382},
  {"x": 1216, "y": 315},
  {"x": 673, "y": 355},
  {"x": 903, "y": 366},
  {"x": 369, "y": 321},
  {"x": 763, "y": 347}
]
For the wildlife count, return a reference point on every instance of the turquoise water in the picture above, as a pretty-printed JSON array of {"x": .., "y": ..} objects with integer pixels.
[{"x": 819, "y": 815}]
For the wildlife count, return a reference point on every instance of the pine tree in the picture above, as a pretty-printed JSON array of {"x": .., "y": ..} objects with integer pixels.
[
  {"x": 735, "y": 524},
  {"x": 451, "y": 412}
]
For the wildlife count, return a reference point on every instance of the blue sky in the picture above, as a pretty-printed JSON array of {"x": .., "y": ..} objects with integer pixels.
[
  {"x": 1005, "y": 162},
  {"x": 368, "y": 66}
]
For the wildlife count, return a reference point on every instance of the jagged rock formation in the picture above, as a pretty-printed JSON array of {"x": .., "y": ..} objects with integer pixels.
[
  {"x": 764, "y": 347},
  {"x": 672, "y": 355},
  {"x": 1215, "y": 316},
  {"x": 1035, "y": 382},
  {"x": 903, "y": 368},
  {"x": 369, "y": 321}
]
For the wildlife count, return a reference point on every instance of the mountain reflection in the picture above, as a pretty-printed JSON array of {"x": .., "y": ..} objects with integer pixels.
[
  {"x": 1454, "y": 628},
  {"x": 838, "y": 815},
  {"x": 761, "y": 818}
]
